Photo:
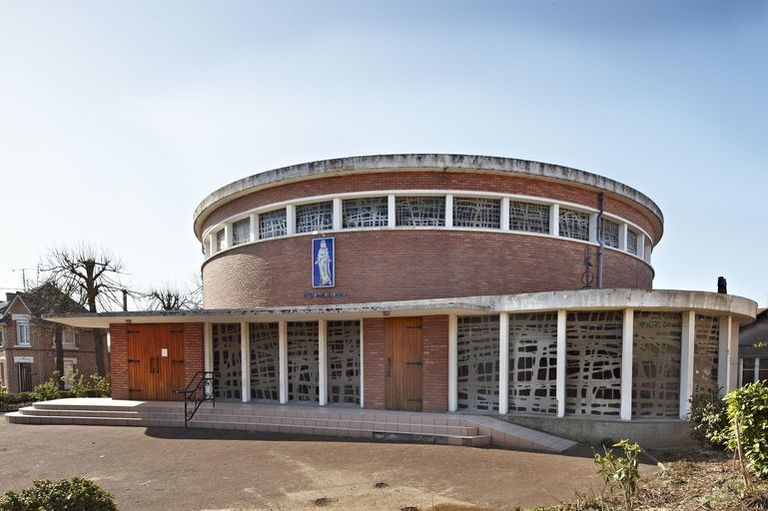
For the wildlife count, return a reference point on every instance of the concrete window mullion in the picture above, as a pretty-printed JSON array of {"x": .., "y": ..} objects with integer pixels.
[
  {"x": 554, "y": 220},
  {"x": 322, "y": 361},
  {"x": 391, "y": 211},
  {"x": 503, "y": 363},
  {"x": 362, "y": 365},
  {"x": 453, "y": 362},
  {"x": 627, "y": 344},
  {"x": 245, "y": 360},
  {"x": 687, "y": 361},
  {"x": 283, "y": 360},
  {"x": 562, "y": 317}
]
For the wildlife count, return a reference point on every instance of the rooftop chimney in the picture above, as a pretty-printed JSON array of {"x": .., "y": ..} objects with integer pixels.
[
  {"x": 722, "y": 286},
  {"x": 9, "y": 297}
]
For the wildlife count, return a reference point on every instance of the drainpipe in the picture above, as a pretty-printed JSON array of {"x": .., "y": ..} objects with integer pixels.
[{"x": 600, "y": 239}]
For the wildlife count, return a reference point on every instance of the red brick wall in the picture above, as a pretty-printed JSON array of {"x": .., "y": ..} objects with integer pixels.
[
  {"x": 373, "y": 360},
  {"x": 194, "y": 353},
  {"x": 438, "y": 180},
  {"x": 118, "y": 338},
  {"x": 435, "y": 338},
  {"x": 373, "y": 266}
]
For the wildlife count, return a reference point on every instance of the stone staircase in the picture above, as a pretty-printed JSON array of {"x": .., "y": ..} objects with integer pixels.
[{"x": 340, "y": 422}]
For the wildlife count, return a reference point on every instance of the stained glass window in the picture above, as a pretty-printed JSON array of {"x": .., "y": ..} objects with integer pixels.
[
  {"x": 272, "y": 224},
  {"x": 365, "y": 212},
  {"x": 420, "y": 211},
  {"x": 241, "y": 232},
  {"x": 610, "y": 233},
  {"x": 314, "y": 217},
  {"x": 475, "y": 212},
  {"x": 574, "y": 224},
  {"x": 528, "y": 217}
]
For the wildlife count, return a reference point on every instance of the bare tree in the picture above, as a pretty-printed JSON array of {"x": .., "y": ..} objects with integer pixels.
[
  {"x": 92, "y": 277},
  {"x": 170, "y": 297}
]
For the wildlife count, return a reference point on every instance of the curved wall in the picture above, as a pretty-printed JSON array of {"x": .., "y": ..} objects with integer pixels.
[{"x": 384, "y": 265}]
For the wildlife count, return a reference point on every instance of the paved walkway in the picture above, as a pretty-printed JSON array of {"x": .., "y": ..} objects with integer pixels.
[{"x": 174, "y": 469}]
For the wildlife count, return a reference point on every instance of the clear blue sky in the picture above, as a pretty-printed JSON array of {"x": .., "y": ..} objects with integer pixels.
[{"x": 138, "y": 109}]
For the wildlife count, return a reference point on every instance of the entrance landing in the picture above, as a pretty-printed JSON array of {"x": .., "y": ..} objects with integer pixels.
[{"x": 339, "y": 422}]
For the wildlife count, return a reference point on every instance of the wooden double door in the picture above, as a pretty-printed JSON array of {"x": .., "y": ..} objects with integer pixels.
[
  {"x": 155, "y": 362},
  {"x": 404, "y": 364}
]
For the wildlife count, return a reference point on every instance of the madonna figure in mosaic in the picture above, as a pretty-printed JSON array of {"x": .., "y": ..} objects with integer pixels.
[{"x": 324, "y": 264}]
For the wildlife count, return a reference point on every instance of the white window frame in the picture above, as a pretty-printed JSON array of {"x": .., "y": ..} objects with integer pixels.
[
  {"x": 22, "y": 325},
  {"x": 72, "y": 335},
  {"x": 73, "y": 364}
]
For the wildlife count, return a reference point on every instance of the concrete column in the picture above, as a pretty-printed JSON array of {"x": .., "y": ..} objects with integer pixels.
[
  {"x": 227, "y": 235},
  {"x": 322, "y": 361},
  {"x": 283, "y": 355},
  {"x": 337, "y": 214},
  {"x": 626, "y": 364},
  {"x": 391, "y": 211},
  {"x": 623, "y": 228},
  {"x": 503, "y": 363},
  {"x": 362, "y": 365},
  {"x": 722, "y": 358},
  {"x": 245, "y": 361},
  {"x": 733, "y": 356},
  {"x": 641, "y": 245},
  {"x": 593, "y": 227},
  {"x": 505, "y": 214},
  {"x": 757, "y": 369},
  {"x": 449, "y": 210},
  {"x": 562, "y": 317},
  {"x": 211, "y": 240},
  {"x": 254, "y": 227},
  {"x": 453, "y": 330},
  {"x": 290, "y": 219},
  {"x": 741, "y": 372},
  {"x": 208, "y": 347},
  {"x": 686, "y": 361},
  {"x": 554, "y": 220}
]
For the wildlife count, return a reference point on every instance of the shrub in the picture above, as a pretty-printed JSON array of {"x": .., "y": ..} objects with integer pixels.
[
  {"x": 64, "y": 495},
  {"x": 709, "y": 420},
  {"x": 621, "y": 471},
  {"x": 93, "y": 386},
  {"x": 48, "y": 390},
  {"x": 748, "y": 414}
]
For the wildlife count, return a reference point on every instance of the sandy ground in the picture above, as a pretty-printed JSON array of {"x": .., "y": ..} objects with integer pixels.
[{"x": 174, "y": 469}]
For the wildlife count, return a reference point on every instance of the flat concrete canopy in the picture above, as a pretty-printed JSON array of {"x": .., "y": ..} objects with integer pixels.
[
  {"x": 741, "y": 309},
  {"x": 442, "y": 162}
]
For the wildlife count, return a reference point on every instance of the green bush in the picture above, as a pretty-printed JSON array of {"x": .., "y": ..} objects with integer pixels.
[
  {"x": 77, "y": 494},
  {"x": 621, "y": 471},
  {"x": 92, "y": 386},
  {"x": 709, "y": 420},
  {"x": 748, "y": 414},
  {"x": 48, "y": 390}
]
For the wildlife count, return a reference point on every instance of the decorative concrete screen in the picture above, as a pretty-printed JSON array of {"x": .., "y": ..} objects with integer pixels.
[
  {"x": 314, "y": 217},
  {"x": 474, "y": 212},
  {"x": 344, "y": 362},
  {"x": 656, "y": 364},
  {"x": 265, "y": 366},
  {"x": 272, "y": 224},
  {"x": 302, "y": 362},
  {"x": 705, "y": 354},
  {"x": 593, "y": 363},
  {"x": 241, "y": 232},
  {"x": 226, "y": 360},
  {"x": 420, "y": 211},
  {"x": 533, "y": 363},
  {"x": 367, "y": 212},
  {"x": 478, "y": 363},
  {"x": 528, "y": 217},
  {"x": 574, "y": 224},
  {"x": 610, "y": 234}
]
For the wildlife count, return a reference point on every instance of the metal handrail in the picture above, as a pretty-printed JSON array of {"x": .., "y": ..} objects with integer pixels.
[{"x": 199, "y": 391}]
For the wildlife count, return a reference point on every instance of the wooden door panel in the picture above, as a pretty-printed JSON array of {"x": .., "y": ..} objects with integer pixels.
[
  {"x": 403, "y": 364},
  {"x": 152, "y": 376}
]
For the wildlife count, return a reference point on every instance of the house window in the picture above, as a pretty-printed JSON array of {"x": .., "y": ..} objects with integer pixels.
[
  {"x": 747, "y": 370},
  {"x": 314, "y": 217},
  {"x": 369, "y": 212},
  {"x": 610, "y": 233},
  {"x": 482, "y": 213},
  {"x": 272, "y": 224},
  {"x": 528, "y": 217},
  {"x": 420, "y": 211},
  {"x": 1, "y": 337},
  {"x": 631, "y": 242},
  {"x": 241, "y": 232},
  {"x": 69, "y": 337},
  {"x": 221, "y": 240},
  {"x": 574, "y": 224},
  {"x": 70, "y": 364},
  {"x": 22, "y": 332}
]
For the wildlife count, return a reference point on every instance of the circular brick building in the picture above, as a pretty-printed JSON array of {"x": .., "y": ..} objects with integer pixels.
[
  {"x": 422, "y": 226},
  {"x": 467, "y": 285}
]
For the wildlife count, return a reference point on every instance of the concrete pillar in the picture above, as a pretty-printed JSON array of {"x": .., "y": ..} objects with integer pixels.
[
  {"x": 503, "y": 363},
  {"x": 627, "y": 339},
  {"x": 254, "y": 227},
  {"x": 322, "y": 361},
  {"x": 623, "y": 237},
  {"x": 686, "y": 361},
  {"x": 453, "y": 331},
  {"x": 208, "y": 347},
  {"x": 362, "y": 365},
  {"x": 290, "y": 219},
  {"x": 337, "y": 214},
  {"x": 505, "y": 214},
  {"x": 722, "y": 357},
  {"x": 449, "y": 210},
  {"x": 245, "y": 361},
  {"x": 733, "y": 356},
  {"x": 641, "y": 245},
  {"x": 593, "y": 228},
  {"x": 391, "y": 211},
  {"x": 554, "y": 220},
  {"x": 227, "y": 235},
  {"x": 283, "y": 355},
  {"x": 562, "y": 317}
]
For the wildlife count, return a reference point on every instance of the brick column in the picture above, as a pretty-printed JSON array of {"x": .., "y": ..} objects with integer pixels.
[
  {"x": 373, "y": 358},
  {"x": 435, "y": 338},
  {"x": 194, "y": 350},
  {"x": 118, "y": 338}
]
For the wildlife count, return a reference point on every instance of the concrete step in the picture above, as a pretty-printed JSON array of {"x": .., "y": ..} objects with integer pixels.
[
  {"x": 64, "y": 412},
  {"x": 20, "y": 418}
]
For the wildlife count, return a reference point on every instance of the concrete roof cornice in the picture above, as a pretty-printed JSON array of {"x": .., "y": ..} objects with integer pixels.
[{"x": 384, "y": 162}]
